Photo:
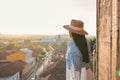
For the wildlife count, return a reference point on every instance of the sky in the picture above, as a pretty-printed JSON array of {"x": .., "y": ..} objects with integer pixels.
[{"x": 45, "y": 16}]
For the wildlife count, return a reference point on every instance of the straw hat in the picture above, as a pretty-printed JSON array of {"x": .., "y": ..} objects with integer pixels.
[{"x": 76, "y": 26}]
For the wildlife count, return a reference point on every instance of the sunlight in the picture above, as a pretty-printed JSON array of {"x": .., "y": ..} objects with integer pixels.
[{"x": 44, "y": 17}]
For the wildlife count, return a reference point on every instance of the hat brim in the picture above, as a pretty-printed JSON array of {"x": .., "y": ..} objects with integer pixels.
[{"x": 82, "y": 32}]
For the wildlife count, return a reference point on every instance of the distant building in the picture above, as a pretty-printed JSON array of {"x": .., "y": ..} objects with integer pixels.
[
  {"x": 34, "y": 54},
  {"x": 28, "y": 55},
  {"x": 35, "y": 41},
  {"x": 23, "y": 54},
  {"x": 48, "y": 40},
  {"x": 18, "y": 55},
  {"x": 20, "y": 41},
  {"x": 11, "y": 70}
]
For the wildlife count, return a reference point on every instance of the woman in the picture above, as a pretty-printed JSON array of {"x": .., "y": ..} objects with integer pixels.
[{"x": 78, "y": 52}]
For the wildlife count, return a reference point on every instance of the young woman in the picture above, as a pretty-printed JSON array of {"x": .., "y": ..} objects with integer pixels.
[{"x": 77, "y": 55}]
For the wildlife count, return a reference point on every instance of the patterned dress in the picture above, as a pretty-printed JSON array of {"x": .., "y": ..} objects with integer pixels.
[{"x": 73, "y": 62}]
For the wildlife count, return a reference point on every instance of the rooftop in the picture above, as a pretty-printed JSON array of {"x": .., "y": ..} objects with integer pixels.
[
  {"x": 10, "y": 68},
  {"x": 5, "y": 54}
]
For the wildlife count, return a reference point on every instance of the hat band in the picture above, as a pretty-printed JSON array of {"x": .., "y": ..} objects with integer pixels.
[{"x": 75, "y": 28}]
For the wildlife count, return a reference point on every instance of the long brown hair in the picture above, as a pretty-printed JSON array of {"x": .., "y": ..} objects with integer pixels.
[{"x": 81, "y": 43}]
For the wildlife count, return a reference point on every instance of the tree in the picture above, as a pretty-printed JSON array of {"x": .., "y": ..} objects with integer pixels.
[{"x": 92, "y": 42}]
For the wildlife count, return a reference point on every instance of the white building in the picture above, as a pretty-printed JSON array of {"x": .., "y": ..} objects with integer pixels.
[
  {"x": 48, "y": 40},
  {"x": 28, "y": 52}
]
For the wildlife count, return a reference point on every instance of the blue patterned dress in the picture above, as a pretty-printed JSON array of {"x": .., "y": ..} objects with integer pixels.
[{"x": 73, "y": 62}]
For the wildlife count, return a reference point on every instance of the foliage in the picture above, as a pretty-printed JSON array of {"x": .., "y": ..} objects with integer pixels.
[
  {"x": 92, "y": 41},
  {"x": 64, "y": 44},
  {"x": 47, "y": 49},
  {"x": 27, "y": 41},
  {"x": 41, "y": 56},
  {"x": 10, "y": 46}
]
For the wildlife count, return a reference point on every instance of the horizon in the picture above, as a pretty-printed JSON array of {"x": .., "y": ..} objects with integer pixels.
[{"x": 38, "y": 34}]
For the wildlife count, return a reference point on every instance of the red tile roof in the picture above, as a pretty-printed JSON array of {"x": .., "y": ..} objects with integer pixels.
[
  {"x": 4, "y": 55},
  {"x": 9, "y": 69},
  {"x": 34, "y": 54}
]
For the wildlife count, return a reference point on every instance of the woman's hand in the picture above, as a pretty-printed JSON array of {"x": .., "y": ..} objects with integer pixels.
[{"x": 87, "y": 65}]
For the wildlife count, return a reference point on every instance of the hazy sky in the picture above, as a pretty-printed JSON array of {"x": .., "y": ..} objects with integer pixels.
[{"x": 45, "y": 16}]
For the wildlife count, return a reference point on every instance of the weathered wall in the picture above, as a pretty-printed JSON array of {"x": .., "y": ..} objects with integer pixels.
[
  {"x": 118, "y": 54},
  {"x": 107, "y": 39},
  {"x": 114, "y": 42},
  {"x": 104, "y": 40}
]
